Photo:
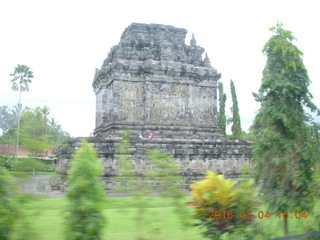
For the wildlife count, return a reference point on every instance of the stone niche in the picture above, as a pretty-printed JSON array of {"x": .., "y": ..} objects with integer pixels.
[{"x": 151, "y": 81}]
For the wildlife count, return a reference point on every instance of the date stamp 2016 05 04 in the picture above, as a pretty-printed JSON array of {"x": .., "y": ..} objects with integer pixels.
[{"x": 260, "y": 214}]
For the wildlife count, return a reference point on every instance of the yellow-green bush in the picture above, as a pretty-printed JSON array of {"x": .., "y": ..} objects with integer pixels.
[{"x": 223, "y": 205}]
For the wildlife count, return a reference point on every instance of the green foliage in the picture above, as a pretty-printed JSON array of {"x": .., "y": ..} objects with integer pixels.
[
  {"x": 220, "y": 196},
  {"x": 24, "y": 166},
  {"x": 6, "y": 161},
  {"x": 33, "y": 133},
  {"x": 163, "y": 179},
  {"x": 133, "y": 184},
  {"x": 285, "y": 149},
  {"x": 21, "y": 78},
  {"x": 236, "y": 122},
  {"x": 8, "y": 205},
  {"x": 38, "y": 132},
  {"x": 8, "y": 123},
  {"x": 222, "y": 118},
  {"x": 128, "y": 173},
  {"x": 10, "y": 138},
  {"x": 167, "y": 173},
  {"x": 49, "y": 223},
  {"x": 8, "y": 119},
  {"x": 85, "y": 194},
  {"x": 56, "y": 133},
  {"x": 247, "y": 136}
]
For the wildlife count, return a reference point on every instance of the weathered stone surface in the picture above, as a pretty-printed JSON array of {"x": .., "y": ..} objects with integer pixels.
[
  {"x": 195, "y": 157},
  {"x": 153, "y": 82}
]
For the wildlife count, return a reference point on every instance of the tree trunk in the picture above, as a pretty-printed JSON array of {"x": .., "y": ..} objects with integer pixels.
[
  {"x": 46, "y": 137},
  {"x": 286, "y": 227},
  {"x": 18, "y": 130}
]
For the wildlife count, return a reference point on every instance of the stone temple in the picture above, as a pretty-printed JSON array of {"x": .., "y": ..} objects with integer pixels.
[{"x": 152, "y": 82}]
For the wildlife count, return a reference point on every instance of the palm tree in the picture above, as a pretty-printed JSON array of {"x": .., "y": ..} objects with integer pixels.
[
  {"x": 45, "y": 111},
  {"x": 20, "y": 82}
]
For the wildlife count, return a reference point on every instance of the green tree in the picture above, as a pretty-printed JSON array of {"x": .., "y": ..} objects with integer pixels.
[
  {"x": 236, "y": 122},
  {"x": 8, "y": 205},
  {"x": 15, "y": 223},
  {"x": 7, "y": 124},
  {"x": 56, "y": 132},
  {"x": 86, "y": 196},
  {"x": 8, "y": 117},
  {"x": 283, "y": 152},
  {"x": 45, "y": 112},
  {"x": 33, "y": 132},
  {"x": 222, "y": 119},
  {"x": 21, "y": 79},
  {"x": 23, "y": 166},
  {"x": 37, "y": 129}
]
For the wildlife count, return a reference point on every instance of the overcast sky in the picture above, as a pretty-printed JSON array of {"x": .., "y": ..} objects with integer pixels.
[{"x": 63, "y": 41}]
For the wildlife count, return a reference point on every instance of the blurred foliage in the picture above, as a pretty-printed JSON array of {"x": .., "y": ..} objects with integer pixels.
[
  {"x": 86, "y": 196},
  {"x": 245, "y": 136},
  {"x": 248, "y": 136},
  {"x": 26, "y": 166},
  {"x": 217, "y": 194},
  {"x": 15, "y": 223},
  {"x": 6, "y": 161},
  {"x": 33, "y": 133},
  {"x": 163, "y": 179},
  {"x": 38, "y": 132},
  {"x": 171, "y": 182},
  {"x": 23, "y": 166},
  {"x": 236, "y": 122},
  {"x": 9, "y": 116},
  {"x": 222, "y": 118},
  {"x": 9, "y": 209},
  {"x": 133, "y": 184}
]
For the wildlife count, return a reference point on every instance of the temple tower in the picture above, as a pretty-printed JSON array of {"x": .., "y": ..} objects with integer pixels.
[{"x": 153, "y": 82}]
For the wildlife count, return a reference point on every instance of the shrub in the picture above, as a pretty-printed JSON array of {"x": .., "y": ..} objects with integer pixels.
[
  {"x": 85, "y": 194},
  {"x": 8, "y": 205},
  {"x": 223, "y": 205}
]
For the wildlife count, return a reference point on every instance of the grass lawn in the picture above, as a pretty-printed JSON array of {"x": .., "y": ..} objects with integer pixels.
[{"x": 160, "y": 221}]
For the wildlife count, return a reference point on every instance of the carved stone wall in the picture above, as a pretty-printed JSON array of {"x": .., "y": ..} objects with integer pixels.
[
  {"x": 152, "y": 81},
  {"x": 195, "y": 157}
]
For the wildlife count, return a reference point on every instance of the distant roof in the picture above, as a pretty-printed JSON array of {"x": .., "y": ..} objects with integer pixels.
[{"x": 11, "y": 149}]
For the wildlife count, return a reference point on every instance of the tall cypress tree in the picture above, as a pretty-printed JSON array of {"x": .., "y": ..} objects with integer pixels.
[
  {"x": 283, "y": 152},
  {"x": 222, "y": 119},
  {"x": 236, "y": 122}
]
